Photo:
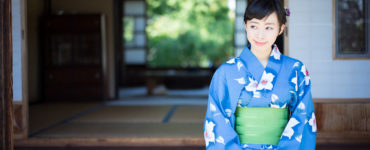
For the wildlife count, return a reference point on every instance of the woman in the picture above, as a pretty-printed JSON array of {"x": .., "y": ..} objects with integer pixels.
[{"x": 261, "y": 99}]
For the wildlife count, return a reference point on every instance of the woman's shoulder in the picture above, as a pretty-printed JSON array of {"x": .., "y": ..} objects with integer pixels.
[
  {"x": 229, "y": 66},
  {"x": 296, "y": 67},
  {"x": 291, "y": 62}
]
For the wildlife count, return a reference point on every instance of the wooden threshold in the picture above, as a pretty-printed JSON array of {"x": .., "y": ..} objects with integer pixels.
[{"x": 322, "y": 139}]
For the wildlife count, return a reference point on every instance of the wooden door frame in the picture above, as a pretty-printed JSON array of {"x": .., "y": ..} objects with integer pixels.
[
  {"x": 6, "y": 79},
  {"x": 286, "y": 32},
  {"x": 118, "y": 44}
]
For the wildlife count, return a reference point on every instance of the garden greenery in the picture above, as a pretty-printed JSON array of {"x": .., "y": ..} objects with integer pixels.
[{"x": 189, "y": 33}]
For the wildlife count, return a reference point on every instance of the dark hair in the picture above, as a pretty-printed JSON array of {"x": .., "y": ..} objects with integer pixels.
[{"x": 261, "y": 8}]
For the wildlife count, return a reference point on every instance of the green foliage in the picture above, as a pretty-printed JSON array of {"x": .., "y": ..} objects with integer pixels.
[
  {"x": 129, "y": 29},
  {"x": 189, "y": 33}
]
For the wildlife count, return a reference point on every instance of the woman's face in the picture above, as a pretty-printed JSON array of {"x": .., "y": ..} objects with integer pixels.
[{"x": 263, "y": 33}]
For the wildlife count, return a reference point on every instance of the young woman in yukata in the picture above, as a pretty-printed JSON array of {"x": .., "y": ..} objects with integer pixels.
[{"x": 261, "y": 99}]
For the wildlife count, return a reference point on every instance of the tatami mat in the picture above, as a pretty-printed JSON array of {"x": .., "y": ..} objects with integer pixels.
[
  {"x": 160, "y": 101},
  {"x": 42, "y": 116},
  {"x": 141, "y": 91},
  {"x": 81, "y": 130},
  {"x": 126, "y": 114},
  {"x": 189, "y": 114},
  {"x": 65, "y": 120}
]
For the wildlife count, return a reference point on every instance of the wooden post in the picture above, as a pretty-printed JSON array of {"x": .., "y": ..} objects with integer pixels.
[{"x": 6, "y": 80}]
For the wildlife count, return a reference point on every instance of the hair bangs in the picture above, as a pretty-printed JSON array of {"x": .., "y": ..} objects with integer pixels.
[{"x": 260, "y": 9}]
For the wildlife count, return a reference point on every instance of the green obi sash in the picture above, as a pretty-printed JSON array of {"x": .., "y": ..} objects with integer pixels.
[{"x": 260, "y": 125}]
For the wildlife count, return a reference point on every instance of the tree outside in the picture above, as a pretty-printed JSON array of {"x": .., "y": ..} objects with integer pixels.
[{"x": 190, "y": 33}]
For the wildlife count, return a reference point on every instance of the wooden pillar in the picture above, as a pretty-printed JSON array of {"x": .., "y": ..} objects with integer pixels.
[{"x": 6, "y": 86}]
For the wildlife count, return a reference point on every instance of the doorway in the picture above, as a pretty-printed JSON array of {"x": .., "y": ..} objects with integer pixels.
[{"x": 175, "y": 116}]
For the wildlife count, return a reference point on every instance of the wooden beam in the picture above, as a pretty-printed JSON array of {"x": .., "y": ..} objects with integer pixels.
[
  {"x": 6, "y": 81},
  {"x": 348, "y": 138}
]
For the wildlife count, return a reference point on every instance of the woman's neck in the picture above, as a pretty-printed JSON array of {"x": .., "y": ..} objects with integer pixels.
[{"x": 262, "y": 55}]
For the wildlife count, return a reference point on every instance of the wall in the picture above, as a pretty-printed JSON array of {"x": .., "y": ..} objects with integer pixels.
[
  {"x": 20, "y": 55},
  {"x": 17, "y": 50},
  {"x": 311, "y": 41}
]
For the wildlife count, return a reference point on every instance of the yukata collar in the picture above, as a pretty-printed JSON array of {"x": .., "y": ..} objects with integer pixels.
[{"x": 254, "y": 66}]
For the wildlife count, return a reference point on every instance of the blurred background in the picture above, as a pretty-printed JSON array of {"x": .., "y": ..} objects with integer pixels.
[{"x": 134, "y": 74}]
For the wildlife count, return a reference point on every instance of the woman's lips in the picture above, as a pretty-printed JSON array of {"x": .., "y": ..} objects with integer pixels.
[{"x": 260, "y": 43}]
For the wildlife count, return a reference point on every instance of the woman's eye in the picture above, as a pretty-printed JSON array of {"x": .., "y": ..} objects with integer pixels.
[
  {"x": 253, "y": 27},
  {"x": 269, "y": 28}
]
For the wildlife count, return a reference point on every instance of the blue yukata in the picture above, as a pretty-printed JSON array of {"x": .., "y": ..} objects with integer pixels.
[{"x": 244, "y": 82}]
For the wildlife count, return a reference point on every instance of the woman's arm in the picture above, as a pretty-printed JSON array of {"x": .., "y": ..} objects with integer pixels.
[
  {"x": 300, "y": 132},
  {"x": 218, "y": 131}
]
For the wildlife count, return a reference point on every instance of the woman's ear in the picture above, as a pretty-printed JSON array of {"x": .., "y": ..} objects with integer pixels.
[
  {"x": 245, "y": 26},
  {"x": 282, "y": 29}
]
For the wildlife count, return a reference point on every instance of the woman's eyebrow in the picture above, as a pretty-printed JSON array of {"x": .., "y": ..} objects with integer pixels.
[{"x": 270, "y": 23}]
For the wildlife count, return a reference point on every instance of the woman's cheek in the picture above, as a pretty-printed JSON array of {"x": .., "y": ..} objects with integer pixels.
[
  {"x": 272, "y": 36},
  {"x": 250, "y": 35}
]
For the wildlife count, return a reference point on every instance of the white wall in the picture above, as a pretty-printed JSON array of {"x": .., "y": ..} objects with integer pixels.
[
  {"x": 310, "y": 40},
  {"x": 17, "y": 50}
]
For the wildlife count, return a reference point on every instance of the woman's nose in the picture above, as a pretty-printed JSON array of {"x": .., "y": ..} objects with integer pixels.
[{"x": 260, "y": 34}]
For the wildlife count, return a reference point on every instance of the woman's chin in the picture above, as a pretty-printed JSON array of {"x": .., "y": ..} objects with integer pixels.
[{"x": 257, "y": 46}]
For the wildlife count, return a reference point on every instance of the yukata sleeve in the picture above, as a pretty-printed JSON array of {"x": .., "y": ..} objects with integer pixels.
[
  {"x": 219, "y": 133},
  {"x": 300, "y": 132}
]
